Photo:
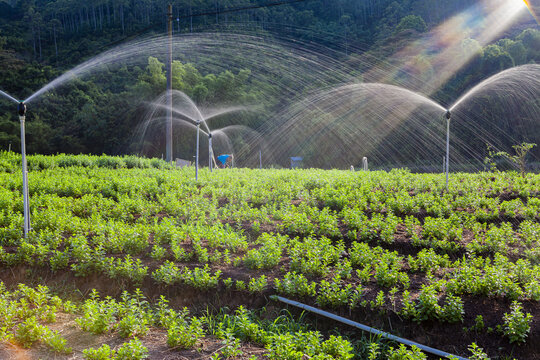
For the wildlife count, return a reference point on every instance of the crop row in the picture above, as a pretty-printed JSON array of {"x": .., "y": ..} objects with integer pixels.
[{"x": 28, "y": 314}]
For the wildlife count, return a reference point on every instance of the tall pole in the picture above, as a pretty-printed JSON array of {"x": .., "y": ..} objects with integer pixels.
[
  {"x": 448, "y": 116},
  {"x": 26, "y": 197},
  {"x": 260, "y": 159},
  {"x": 444, "y": 164},
  {"x": 169, "y": 129},
  {"x": 210, "y": 151},
  {"x": 197, "y": 152}
]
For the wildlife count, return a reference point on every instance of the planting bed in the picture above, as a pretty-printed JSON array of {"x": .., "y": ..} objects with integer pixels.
[{"x": 142, "y": 259}]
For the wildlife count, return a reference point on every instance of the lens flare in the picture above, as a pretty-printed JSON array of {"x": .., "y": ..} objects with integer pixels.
[
  {"x": 519, "y": 4},
  {"x": 427, "y": 63},
  {"x": 528, "y": 5}
]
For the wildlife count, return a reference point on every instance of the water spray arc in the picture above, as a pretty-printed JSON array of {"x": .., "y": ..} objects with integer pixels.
[
  {"x": 8, "y": 96},
  {"x": 21, "y": 109}
]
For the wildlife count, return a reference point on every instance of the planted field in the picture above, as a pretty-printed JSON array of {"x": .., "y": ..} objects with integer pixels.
[{"x": 129, "y": 258}]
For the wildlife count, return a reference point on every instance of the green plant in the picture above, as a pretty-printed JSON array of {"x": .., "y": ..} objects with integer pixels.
[
  {"x": 132, "y": 350},
  {"x": 129, "y": 269},
  {"x": 158, "y": 252},
  {"x": 230, "y": 347},
  {"x": 373, "y": 351},
  {"x": 402, "y": 353},
  {"x": 29, "y": 331},
  {"x": 519, "y": 159},
  {"x": 56, "y": 342},
  {"x": 132, "y": 325},
  {"x": 453, "y": 311},
  {"x": 477, "y": 352},
  {"x": 517, "y": 324},
  {"x": 332, "y": 294},
  {"x": 294, "y": 284},
  {"x": 427, "y": 307},
  {"x": 478, "y": 323},
  {"x": 240, "y": 285},
  {"x": 257, "y": 285},
  {"x": 104, "y": 352},
  {"x": 337, "y": 348},
  {"x": 379, "y": 302},
  {"x": 98, "y": 316},
  {"x": 269, "y": 254},
  {"x": 228, "y": 282},
  {"x": 355, "y": 297},
  {"x": 408, "y": 309},
  {"x": 183, "y": 334},
  {"x": 168, "y": 273},
  {"x": 200, "y": 278}
]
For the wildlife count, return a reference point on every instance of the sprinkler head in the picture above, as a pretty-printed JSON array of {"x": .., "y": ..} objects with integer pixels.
[
  {"x": 448, "y": 114},
  {"x": 21, "y": 109},
  {"x": 209, "y": 135}
]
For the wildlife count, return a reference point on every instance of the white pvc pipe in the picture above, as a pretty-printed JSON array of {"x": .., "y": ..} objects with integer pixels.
[
  {"x": 197, "y": 152},
  {"x": 26, "y": 197},
  {"x": 210, "y": 152},
  {"x": 365, "y": 328},
  {"x": 447, "y": 150}
]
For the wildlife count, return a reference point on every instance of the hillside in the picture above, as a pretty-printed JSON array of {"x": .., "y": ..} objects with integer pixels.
[{"x": 373, "y": 40}]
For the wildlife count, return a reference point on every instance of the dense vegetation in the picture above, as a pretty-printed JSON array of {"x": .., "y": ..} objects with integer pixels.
[
  {"x": 41, "y": 39},
  {"x": 393, "y": 250}
]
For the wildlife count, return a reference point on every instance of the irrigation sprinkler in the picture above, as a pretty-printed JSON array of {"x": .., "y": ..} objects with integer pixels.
[
  {"x": 365, "y": 164},
  {"x": 448, "y": 116},
  {"x": 260, "y": 159},
  {"x": 26, "y": 199},
  {"x": 210, "y": 152}
]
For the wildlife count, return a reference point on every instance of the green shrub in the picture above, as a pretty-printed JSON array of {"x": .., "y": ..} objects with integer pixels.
[
  {"x": 102, "y": 353},
  {"x": 184, "y": 335},
  {"x": 132, "y": 350},
  {"x": 517, "y": 324},
  {"x": 29, "y": 331}
]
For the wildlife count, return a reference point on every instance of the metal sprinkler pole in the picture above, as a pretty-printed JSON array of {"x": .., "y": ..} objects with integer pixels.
[
  {"x": 210, "y": 151},
  {"x": 448, "y": 116},
  {"x": 168, "y": 131},
  {"x": 197, "y": 152},
  {"x": 26, "y": 197},
  {"x": 444, "y": 165},
  {"x": 260, "y": 159}
]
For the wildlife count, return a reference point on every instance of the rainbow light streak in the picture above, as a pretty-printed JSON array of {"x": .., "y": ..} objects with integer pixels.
[
  {"x": 531, "y": 10},
  {"x": 428, "y": 63},
  {"x": 437, "y": 56}
]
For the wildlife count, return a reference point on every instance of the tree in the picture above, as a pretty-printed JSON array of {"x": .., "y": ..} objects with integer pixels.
[
  {"x": 495, "y": 59},
  {"x": 412, "y": 22},
  {"x": 531, "y": 40},
  {"x": 521, "y": 154}
]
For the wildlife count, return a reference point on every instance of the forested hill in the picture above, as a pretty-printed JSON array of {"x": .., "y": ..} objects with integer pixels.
[
  {"x": 41, "y": 39},
  {"x": 63, "y": 32}
]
